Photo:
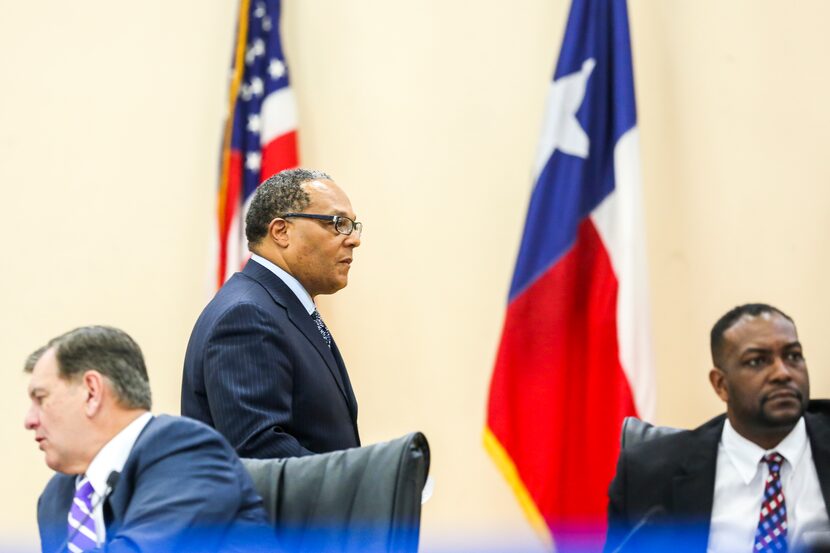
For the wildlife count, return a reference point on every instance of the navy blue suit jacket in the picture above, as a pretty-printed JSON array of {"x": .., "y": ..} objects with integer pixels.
[
  {"x": 258, "y": 370},
  {"x": 182, "y": 489}
]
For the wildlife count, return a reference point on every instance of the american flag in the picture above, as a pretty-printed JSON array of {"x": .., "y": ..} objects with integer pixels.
[{"x": 260, "y": 136}]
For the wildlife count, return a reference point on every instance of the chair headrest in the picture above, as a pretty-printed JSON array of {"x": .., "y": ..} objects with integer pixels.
[{"x": 635, "y": 431}]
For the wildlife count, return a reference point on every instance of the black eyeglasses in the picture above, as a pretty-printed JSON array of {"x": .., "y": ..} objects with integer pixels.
[{"x": 343, "y": 225}]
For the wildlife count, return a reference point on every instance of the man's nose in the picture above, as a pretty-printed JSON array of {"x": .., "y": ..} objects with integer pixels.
[
  {"x": 353, "y": 240},
  {"x": 781, "y": 371},
  {"x": 31, "y": 420}
]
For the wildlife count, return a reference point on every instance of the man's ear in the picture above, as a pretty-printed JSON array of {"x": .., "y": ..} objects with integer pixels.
[
  {"x": 718, "y": 380},
  {"x": 278, "y": 232},
  {"x": 95, "y": 388}
]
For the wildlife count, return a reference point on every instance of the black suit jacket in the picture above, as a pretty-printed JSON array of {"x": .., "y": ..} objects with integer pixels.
[
  {"x": 258, "y": 370},
  {"x": 671, "y": 480},
  {"x": 182, "y": 489}
]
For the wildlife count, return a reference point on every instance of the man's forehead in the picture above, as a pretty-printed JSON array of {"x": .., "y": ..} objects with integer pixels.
[
  {"x": 45, "y": 368},
  {"x": 320, "y": 189},
  {"x": 762, "y": 330},
  {"x": 327, "y": 196},
  {"x": 46, "y": 362},
  {"x": 318, "y": 184}
]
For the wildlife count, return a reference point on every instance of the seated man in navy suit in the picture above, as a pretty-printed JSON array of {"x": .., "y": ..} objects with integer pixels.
[
  {"x": 128, "y": 480},
  {"x": 756, "y": 479},
  {"x": 261, "y": 367}
]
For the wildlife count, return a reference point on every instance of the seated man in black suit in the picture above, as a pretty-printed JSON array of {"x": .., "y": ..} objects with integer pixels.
[
  {"x": 756, "y": 479},
  {"x": 261, "y": 367},
  {"x": 128, "y": 480}
]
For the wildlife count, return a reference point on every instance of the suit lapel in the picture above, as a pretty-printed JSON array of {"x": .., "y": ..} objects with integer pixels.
[
  {"x": 694, "y": 486},
  {"x": 115, "y": 505},
  {"x": 66, "y": 494},
  {"x": 347, "y": 384},
  {"x": 53, "y": 526},
  {"x": 308, "y": 327},
  {"x": 819, "y": 433},
  {"x": 299, "y": 317}
]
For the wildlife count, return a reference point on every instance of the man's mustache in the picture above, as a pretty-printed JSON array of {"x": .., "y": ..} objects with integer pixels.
[{"x": 783, "y": 391}]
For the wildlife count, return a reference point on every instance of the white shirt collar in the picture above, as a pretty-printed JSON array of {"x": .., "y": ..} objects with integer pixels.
[
  {"x": 746, "y": 455},
  {"x": 114, "y": 454},
  {"x": 290, "y": 281}
]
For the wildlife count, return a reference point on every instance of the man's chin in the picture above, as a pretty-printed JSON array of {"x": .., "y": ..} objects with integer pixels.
[
  {"x": 329, "y": 290},
  {"x": 53, "y": 464},
  {"x": 783, "y": 413},
  {"x": 338, "y": 284}
]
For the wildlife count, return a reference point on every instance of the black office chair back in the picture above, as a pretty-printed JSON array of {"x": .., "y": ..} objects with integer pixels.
[
  {"x": 361, "y": 499},
  {"x": 635, "y": 431}
]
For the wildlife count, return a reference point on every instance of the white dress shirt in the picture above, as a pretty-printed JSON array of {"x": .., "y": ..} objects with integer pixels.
[
  {"x": 290, "y": 281},
  {"x": 111, "y": 458},
  {"x": 739, "y": 487}
]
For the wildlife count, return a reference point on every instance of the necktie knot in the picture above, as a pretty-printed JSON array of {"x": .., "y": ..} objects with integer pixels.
[
  {"x": 83, "y": 491},
  {"x": 774, "y": 461}
]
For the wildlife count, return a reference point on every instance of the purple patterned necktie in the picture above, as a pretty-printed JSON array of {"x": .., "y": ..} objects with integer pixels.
[
  {"x": 81, "y": 523},
  {"x": 321, "y": 326},
  {"x": 771, "y": 535}
]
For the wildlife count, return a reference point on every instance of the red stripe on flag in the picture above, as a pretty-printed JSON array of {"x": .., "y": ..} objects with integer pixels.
[
  {"x": 279, "y": 154},
  {"x": 559, "y": 393}
]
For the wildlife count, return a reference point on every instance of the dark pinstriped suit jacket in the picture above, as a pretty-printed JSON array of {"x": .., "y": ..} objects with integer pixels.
[{"x": 258, "y": 370}]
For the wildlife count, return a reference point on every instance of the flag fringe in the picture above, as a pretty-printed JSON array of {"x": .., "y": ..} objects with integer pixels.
[
  {"x": 508, "y": 469},
  {"x": 233, "y": 94}
]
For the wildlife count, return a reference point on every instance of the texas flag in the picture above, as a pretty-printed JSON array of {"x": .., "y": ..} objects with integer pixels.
[
  {"x": 575, "y": 355},
  {"x": 260, "y": 136}
]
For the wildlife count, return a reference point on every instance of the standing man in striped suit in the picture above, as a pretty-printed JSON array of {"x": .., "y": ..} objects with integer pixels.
[{"x": 261, "y": 367}]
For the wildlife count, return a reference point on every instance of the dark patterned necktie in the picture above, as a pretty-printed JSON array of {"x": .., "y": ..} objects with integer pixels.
[
  {"x": 771, "y": 535},
  {"x": 81, "y": 524},
  {"x": 321, "y": 326}
]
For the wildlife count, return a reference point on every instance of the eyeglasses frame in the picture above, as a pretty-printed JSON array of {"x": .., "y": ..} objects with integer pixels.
[{"x": 334, "y": 219}]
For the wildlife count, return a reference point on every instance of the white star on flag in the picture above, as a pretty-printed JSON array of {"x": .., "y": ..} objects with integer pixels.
[
  {"x": 252, "y": 161},
  {"x": 254, "y": 123},
  {"x": 267, "y": 24},
  {"x": 276, "y": 69},
  {"x": 256, "y": 49},
  {"x": 257, "y": 87},
  {"x": 245, "y": 92},
  {"x": 561, "y": 130},
  {"x": 259, "y": 11}
]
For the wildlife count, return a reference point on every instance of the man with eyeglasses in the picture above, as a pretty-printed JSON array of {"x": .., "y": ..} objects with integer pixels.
[{"x": 261, "y": 367}]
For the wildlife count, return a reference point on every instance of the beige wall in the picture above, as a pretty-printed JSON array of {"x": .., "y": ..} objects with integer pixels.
[{"x": 428, "y": 113}]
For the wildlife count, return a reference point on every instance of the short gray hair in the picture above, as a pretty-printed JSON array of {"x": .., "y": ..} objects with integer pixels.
[
  {"x": 109, "y": 351},
  {"x": 279, "y": 194}
]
